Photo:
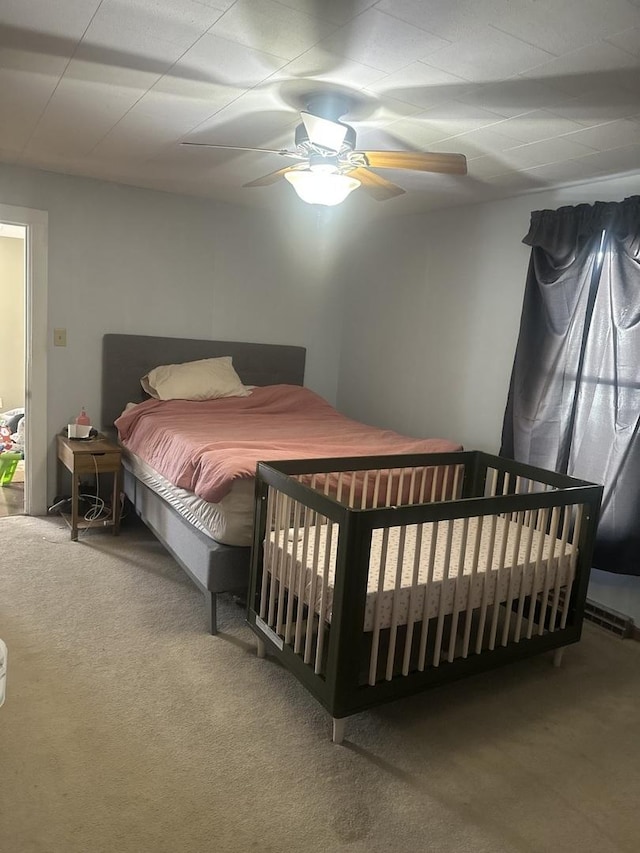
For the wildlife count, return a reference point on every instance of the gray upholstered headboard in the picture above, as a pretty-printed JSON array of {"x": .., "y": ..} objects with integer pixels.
[{"x": 126, "y": 359}]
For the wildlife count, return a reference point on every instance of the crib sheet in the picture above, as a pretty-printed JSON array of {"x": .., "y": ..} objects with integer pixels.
[{"x": 537, "y": 565}]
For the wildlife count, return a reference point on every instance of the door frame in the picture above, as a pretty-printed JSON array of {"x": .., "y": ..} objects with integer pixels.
[{"x": 36, "y": 338}]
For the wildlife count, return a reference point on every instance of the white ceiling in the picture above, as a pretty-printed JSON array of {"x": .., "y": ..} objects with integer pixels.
[{"x": 536, "y": 93}]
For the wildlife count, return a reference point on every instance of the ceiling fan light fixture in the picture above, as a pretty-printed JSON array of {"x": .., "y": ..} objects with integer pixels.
[
  {"x": 321, "y": 186},
  {"x": 324, "y": 168}
]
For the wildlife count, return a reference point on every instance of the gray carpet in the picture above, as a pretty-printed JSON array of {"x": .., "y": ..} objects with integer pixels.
[{"x": 128, "y": 729}]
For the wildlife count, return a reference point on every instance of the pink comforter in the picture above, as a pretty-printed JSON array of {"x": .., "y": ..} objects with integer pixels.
[{"x": 205, "y": 445}]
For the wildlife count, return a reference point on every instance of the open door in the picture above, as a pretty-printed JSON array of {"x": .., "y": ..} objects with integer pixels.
[
  {"x": 12, "y": 371},
  {"x": 33, "y": 433}
]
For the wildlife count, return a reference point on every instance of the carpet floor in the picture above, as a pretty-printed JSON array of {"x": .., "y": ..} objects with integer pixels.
[{"x": 127, "y": 729}]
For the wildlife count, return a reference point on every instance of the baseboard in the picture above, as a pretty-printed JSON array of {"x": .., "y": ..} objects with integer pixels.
[{"x": 612, "y": 621}]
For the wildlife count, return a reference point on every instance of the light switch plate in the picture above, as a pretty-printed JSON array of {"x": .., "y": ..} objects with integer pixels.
[{"x": 59, "y": 337}]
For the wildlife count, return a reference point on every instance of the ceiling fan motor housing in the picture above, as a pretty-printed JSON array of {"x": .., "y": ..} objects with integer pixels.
[{"x": 302, "y": 137}]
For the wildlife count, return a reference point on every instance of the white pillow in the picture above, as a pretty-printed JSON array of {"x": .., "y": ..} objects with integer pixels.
[{"x": 195, "y": 380}]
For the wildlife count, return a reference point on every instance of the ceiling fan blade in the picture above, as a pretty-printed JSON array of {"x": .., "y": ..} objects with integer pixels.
[
  {"x": 449, "y": 164},
  {"x": 271, "y": 178},
  {"x": 281, "y": 151},
  {"x": 377, "y": 187}
]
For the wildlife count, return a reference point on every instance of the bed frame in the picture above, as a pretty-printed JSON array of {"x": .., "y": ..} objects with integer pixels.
[
  {"x": 213, "y": 567},
  {"x": 373, "y": 578}
]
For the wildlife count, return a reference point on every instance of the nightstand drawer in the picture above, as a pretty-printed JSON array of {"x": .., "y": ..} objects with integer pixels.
[{"x": 89, "y": 463}]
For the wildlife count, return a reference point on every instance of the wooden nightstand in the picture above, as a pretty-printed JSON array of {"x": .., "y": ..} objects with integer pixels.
[{"x": 94, "y": 456}]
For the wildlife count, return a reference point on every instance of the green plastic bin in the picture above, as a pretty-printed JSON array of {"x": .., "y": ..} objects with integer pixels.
[{"x": 8, "y": 464}]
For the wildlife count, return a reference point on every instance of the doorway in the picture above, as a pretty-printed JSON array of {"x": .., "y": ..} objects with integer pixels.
[
  {"x": 32, "y": 226},
  {"x": 12, "y": 368}
]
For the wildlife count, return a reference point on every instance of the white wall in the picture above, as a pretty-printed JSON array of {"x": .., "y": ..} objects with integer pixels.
[
  {"x": 431, "y": 324},
  {"x": 12, "y": 323},
  {"x": 123, "y": 259}
]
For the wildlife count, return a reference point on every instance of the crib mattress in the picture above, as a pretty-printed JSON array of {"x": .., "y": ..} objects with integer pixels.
[
  {"x": 500, "y": 573},
  {"x": 230, "y": 521}
]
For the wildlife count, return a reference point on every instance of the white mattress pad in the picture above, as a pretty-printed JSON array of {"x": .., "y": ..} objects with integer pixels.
[
  {"x": 230, "y": 521},
  {"x": 516, "y": 574}
]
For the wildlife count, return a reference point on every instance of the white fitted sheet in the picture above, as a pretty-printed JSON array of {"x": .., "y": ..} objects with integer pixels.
[
  {"x": 230, "y": 521},
  {"x": 443, "y": 594}
]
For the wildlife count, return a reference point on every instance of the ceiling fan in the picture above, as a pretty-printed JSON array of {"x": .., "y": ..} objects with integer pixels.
[{"x": 330, "y": 166}]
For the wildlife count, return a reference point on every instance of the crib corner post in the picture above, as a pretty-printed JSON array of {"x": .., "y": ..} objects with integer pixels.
[
  {"x": 557, "y": 656},
  {"x": 338, "y": 730},
  {"x": 261, "y": 649}
]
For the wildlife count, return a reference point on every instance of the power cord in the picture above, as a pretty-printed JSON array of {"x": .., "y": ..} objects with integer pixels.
[{"x": 97, "y": 510}]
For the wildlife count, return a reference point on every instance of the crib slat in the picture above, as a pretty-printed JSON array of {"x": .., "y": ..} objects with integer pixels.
[
  {"x": 456, "y": 477},
  {"x": 393, "y": 633},
  {"x": 555, "y": 518},
  {"x": 487, "y": 579},
  {"x": 319, "y": 522},
  {"x": 457, "y": 590},
  {"x": 352, "y": 490},
  {"x": 268, "y": 553},
  {"x": 375, "y": 638},
  {"x": 284, "y": 562},
  {"x": 530, "y": 523},
  {"x": 423, "y": 486},
  {"x": 560, "y": 569},
  {"x": 388, "y": 496},
  {"x": 426, "y": 614},
  {"x": 572, "y": 564},
  {"x": 399, "y": 493},
  {"x": 541, "y": 525},
  {"x": 323, "y": 597},
  {"x": 445, "y": 482},
  {"x": 434, "y": 483},
  {"x": 472, "y": 579},
  {"x": 528, "y": 513},
  {"x": 412, "y": 486},
  {"x": 309, "y": 520},
  {"x": 376, "y": 488},
  {"x": 445, "y": 578},
  {"x": 277, "y": 559},
  {"x": 499, "y": 575},
  {"x": 293, "y": 559},
  {"x": 365, "y": 487},
  {"x": 515, "y": 559},
  {"x": 417, "y": 554}
]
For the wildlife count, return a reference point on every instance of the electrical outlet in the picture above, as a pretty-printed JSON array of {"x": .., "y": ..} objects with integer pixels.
[{"x": 59, "y": 337}]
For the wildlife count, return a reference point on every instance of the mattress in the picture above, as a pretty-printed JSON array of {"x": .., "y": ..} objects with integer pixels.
[
  {"x": 230, "y": 521},
  {"x": 505, "y": 575}
]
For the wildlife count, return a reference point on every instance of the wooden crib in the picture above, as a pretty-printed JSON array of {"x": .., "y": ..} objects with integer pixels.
[{"x": 376, "y": 577}]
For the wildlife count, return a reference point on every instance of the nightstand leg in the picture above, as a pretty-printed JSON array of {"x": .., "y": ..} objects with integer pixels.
[
  {"x": 115, "y": 503},
  {"x": 74, "y": 506}
]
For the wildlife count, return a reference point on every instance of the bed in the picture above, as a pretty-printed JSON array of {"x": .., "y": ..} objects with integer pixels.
[
  {"x": 189, "y": 464},
  {"x": 374, "y": 578},
  {"x": 212, "y": 566}
]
